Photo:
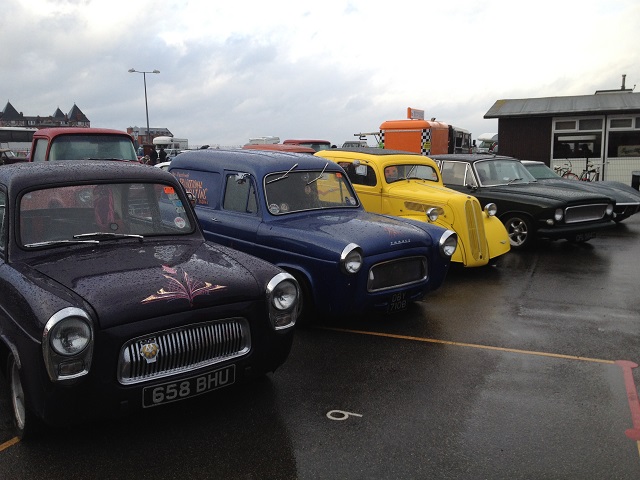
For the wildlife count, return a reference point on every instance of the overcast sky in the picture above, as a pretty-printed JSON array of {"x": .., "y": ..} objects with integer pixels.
[{"x": 299, "y": 69}]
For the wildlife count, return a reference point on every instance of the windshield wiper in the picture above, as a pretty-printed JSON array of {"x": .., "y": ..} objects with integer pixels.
[
  {"x": 513, "y": 180},
  {"x": 319, "y": 176},
  {"x": 104, "y": 235},
  {"x": 57, "y": 242},
  {"x": 286, "y": 175}
]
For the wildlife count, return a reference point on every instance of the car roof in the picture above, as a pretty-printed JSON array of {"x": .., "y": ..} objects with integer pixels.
[
  {"x": 25, "y": 175},
  {"x": 471, "y": 157},
  {"x": 57, "y": 131},
  {"x": 260, "y": 162},
  {"x": 373, "y": 151}
]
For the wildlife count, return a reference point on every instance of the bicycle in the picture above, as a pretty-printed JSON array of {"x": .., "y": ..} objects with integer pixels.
[
  {"x": 565, "y": 171},
  {"x": 590, "y": 174}
]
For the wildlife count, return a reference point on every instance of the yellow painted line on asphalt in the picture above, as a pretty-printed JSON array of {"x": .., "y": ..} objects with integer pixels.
[
  {"x": 474, "y": 345},
  {"x": 8, "y": 443},
  {"x": 471, "y": 345}
]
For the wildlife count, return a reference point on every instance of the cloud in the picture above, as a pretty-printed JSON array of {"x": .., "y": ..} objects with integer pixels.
[{"x": 294, "y": 69}]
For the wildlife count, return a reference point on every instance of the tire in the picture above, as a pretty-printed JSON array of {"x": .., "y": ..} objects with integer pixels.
[
  {"x": 520, "y": 231},
  {"x": 571, "y": 176},
  {"x": 25, "y": 423}
]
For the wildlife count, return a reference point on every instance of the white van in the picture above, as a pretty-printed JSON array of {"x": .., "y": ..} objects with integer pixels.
[{"x": 486, "y": 141}]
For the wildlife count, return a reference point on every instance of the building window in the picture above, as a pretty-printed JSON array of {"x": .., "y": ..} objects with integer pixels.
[
  {"x": 577, "y": 138},
  {"x": 624, "y": 140}
]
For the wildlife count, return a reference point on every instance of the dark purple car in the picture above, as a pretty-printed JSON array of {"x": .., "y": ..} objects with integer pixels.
[{"x": 111, "y": 299}]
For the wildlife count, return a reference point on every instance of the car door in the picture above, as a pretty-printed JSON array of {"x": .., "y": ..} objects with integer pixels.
[{"x": 236, "y": 220}]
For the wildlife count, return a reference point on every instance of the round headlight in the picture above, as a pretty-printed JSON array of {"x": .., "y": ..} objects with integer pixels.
[
  {"x": 351, "y": 259},
  {"x": 70, "y": 336},
  {"x": 434, "y": 213},
  {"x": 491, "y": 209},
  {"x": 284, "y": 295},
  {"x": 609, "y": 209},
  {"x": 448, "y": 243},
  {"x": 559, "y": 213}
]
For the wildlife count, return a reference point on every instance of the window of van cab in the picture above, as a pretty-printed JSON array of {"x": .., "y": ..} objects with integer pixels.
[{"x": 240, "y": 194}]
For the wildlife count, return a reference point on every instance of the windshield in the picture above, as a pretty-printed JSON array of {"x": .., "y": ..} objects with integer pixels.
[
  {"x": 296, "y": 191},
  {"x": 541, "y": 172},
  {"x": 394, "y": 173},
  {"x": 97, "y": 211},
  {"x": 502, "y": 172},
  {"x": 83, "y": 147}
]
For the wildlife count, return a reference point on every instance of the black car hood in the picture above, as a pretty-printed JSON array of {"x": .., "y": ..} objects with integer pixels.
[
  {"x": 554, "y": 192},
  {"x": 619, "y": 193},
  {"x": 151, "y": 279}
]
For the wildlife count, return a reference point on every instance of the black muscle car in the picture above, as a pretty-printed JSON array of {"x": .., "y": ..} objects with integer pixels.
[
  {"x": 111, "y": 299},
  {"x": 528, "y": 209}
]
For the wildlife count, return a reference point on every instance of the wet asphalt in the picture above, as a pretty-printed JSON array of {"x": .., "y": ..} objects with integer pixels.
[{"x": 521, "y": 371}]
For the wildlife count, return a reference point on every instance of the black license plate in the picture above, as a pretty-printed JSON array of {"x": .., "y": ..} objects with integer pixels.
[
  {"x": 188, "y": 387},
  {"x": 398, "y": 302},
  {"x": 583, "y": 237}
]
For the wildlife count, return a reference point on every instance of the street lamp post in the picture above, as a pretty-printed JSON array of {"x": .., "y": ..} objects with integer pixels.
[{"x": 146, "y": 105}]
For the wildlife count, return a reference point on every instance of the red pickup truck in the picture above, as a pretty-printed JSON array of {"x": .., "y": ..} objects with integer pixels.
[{"x": 77, "y": 143}]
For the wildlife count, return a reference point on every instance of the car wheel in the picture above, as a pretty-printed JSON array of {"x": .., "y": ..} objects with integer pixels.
[
  {"x": 24, "y": 421},
  {"x": 520, "y": 231}
]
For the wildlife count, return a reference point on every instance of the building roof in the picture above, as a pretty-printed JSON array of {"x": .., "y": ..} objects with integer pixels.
[
  {"x": 10, "y": 113},
  {"x": 619, "y": 102}
]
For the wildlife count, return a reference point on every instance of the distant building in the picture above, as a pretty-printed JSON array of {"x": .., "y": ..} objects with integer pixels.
[
  {"x": 10, "y": 117},
  {"x": 602, "y": 129},
  {"x": 140, "y": 136}
]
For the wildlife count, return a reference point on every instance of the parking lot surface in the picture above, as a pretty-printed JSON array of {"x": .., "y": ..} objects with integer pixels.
[{"x": 526, "y": 370}]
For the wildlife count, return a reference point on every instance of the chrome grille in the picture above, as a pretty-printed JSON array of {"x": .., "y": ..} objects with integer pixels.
[
  {"x": 183, "y": 349},
  {"x": 397, "y": 273},
  {"x": 585, "y": 213},
  {"x": 475, "y": 224}
]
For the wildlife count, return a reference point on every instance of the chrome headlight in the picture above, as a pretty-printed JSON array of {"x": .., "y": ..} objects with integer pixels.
[
  {"x": 448, "y": 243},
  {"x": 491, "y": 209},
  {"x": 283, "y": 296},
  {"x": 434, "y": 213},
  {"x": 558, "y": 215},
  {"x": 67, "y": 344},
  {"x": 609, "y": 210},
  {"x": 351, "y": 259}
]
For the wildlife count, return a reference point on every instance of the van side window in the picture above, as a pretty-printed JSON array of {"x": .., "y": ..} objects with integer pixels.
[{"x": 240, "y": 194}]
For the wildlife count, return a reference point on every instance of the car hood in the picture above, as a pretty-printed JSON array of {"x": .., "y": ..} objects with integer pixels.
[
  {"x": 331, "y": 232},
  {"x": 151, "y": 280},
  {"x": 551, "y": 192},
  {"x": 621, "y": 193}
]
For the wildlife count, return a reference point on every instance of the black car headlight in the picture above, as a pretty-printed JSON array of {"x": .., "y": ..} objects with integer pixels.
[
  {"x": 67, "y": 344},
  {"x": 448, "y": 243},
  {"x": 351, "y": 259},
  {"x": 558, "y": 215},
  {"x": 283, "y": 297},
  {"x": 609, "y": 210}
]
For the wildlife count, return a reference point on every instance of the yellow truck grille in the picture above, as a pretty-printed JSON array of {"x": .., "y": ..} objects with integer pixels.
[{"x": 475, "y": 226}]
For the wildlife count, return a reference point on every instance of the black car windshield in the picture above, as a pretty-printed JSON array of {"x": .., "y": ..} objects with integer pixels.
[
  {"x": 502, "y": 172},
  {"x": 83, "y": 147},
  {"x": 297, "y": 191},
  {"x": 100, "y": 212},
  {"x": 541, "y": 171}
]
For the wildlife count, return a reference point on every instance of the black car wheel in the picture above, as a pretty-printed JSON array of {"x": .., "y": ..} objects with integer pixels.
[
  {"x": 520, "y": 231},
  {"x": 25, "y": 422}
]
